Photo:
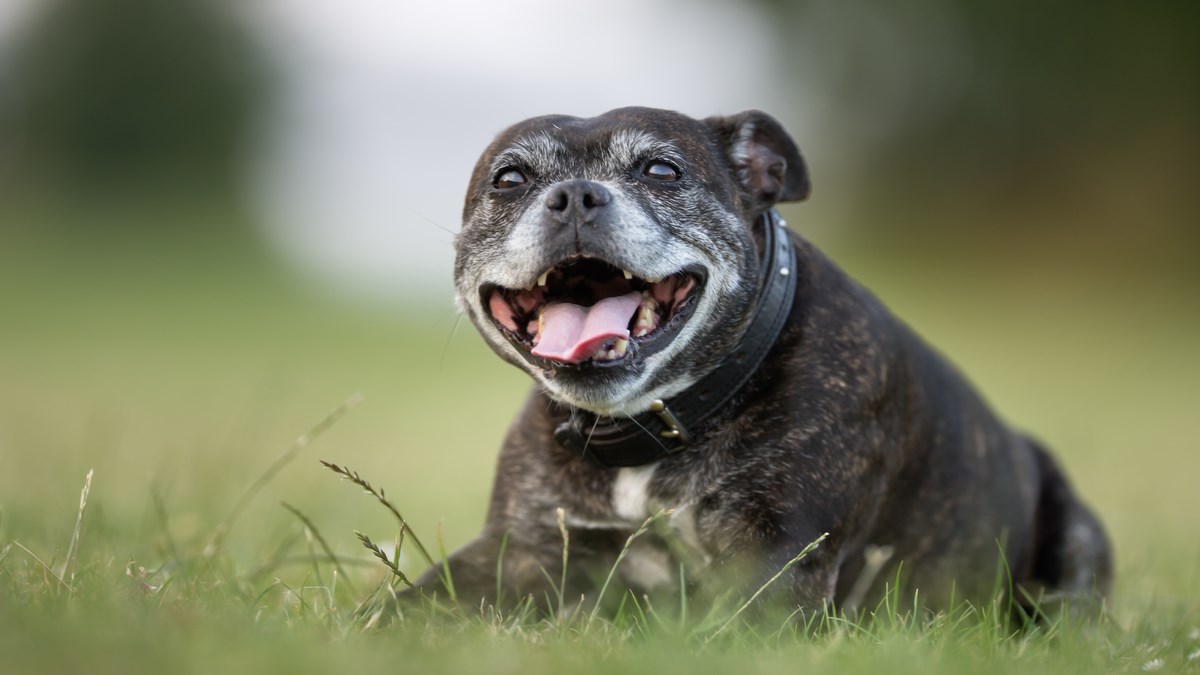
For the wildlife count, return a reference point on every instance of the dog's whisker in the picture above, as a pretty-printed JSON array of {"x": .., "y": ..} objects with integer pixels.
[
  {"x": 446, "y": 347},
  {"x": 436, "y": 224},
  {"x": 589, "y": 437},
  {"x": 647, "y": 432}
]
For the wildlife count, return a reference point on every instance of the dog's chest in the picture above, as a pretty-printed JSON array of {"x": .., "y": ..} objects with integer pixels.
[
  {"x": 651, "y": 562},
  {"x": 631, "y": 493}
]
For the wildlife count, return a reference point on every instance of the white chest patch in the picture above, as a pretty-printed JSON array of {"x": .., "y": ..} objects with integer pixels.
[
  {"x": 631, "y": 495},
  {"x": 683, "y": 525}
]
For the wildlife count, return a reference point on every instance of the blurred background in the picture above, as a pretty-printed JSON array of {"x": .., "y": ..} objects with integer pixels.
[{"x": 218, "y": 220}]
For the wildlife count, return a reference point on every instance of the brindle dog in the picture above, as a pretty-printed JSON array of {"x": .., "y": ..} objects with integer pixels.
[{"x": 690, "y": 353}]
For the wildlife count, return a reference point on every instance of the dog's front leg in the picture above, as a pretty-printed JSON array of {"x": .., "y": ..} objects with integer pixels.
[
  {"x": 470, "y": 572},
  {"x": 493, "y": 569},
  {"x": 775, "y": 575},
  {"x": 807, "y": 584}
]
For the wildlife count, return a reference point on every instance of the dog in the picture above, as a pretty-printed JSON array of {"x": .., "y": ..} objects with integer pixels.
[{"x": 693, "y": 357}]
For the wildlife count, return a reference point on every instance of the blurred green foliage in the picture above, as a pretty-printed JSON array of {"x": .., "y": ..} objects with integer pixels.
[
  {"x": 130, "y": 95},
  {"x": 1067, "y": 120}
]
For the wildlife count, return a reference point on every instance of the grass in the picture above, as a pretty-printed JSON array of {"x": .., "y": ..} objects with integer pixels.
[
  {"x": 198, "y": 611},
  {"x": 173, "y": 372}
]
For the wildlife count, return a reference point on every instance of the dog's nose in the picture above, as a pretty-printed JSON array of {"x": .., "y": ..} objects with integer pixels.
[{"x": 577, "y": 201}]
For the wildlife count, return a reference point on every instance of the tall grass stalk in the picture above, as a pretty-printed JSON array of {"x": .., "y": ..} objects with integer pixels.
[
  {"x": 381, "y": 497},
  {"x": 612, "y": 571},
  {"x": 73, "y": 549},
  {"x": 812, "y": 546},
  {"x": 306, "y": 439},
  {"x": 311, "y": 528}
]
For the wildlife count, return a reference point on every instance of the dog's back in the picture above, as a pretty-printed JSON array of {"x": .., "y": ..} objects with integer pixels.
[{"x": 963, "y": 492}]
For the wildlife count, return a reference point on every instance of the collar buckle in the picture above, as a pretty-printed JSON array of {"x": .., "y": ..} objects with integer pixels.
[{"x": 674, "y": 428}]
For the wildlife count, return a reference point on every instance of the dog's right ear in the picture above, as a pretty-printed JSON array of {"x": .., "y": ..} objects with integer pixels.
[{"x": 765, "y": 160}]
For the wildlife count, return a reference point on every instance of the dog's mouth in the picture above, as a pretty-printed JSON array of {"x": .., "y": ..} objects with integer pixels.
[{"x": 585, "y": 311}]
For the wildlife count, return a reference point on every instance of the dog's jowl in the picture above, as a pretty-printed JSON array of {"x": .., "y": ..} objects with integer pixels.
[{"x": 691, "y": 354}]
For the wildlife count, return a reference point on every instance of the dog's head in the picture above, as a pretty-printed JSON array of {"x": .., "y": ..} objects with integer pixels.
[{"x": 614, "y": 258}]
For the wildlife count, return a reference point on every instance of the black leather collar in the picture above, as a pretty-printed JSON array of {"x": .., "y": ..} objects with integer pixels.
[{"x": 666, "y": 428}]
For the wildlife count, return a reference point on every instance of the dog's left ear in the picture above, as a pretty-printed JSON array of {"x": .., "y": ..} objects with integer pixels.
[{"x": 765, "y": 159}]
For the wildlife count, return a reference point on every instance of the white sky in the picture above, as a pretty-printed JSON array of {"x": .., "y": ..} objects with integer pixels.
[
  {"x": 386, "y": 105},
  {"x": 383, "y": 106}
]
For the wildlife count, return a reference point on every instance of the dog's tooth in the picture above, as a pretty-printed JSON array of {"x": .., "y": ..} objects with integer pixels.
[
  {"x": 647, "y": 313},
  {"x": 647, "y": 318},
  {"x": 643, "y": 328},
  {"x": 627, "y": 273},
  {"x": 542, "y": 279},
  {"x": 619, "y": 348}
]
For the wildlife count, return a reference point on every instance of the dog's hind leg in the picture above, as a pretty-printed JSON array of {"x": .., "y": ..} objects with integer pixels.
[{"x": 1071, "y": 557}]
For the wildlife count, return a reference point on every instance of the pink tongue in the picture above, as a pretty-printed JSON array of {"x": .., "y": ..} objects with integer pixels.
[{"x": 573, "y": 333}]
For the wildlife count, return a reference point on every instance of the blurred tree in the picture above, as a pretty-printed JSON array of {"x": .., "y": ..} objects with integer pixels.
[
  {"x": 136, "y": 94},
  {"x": 1088, "y": 110}
]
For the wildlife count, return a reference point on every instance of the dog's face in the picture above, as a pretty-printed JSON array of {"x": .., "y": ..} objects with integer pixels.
[{"x": 614, "y": 258}]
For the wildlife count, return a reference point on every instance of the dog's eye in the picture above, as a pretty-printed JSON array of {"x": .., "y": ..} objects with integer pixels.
[
  {"x": 659, "y": 170},
  {"x": 509, "y": 179}
]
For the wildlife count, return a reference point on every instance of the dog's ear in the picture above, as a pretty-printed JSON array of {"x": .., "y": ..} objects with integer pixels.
[{"x": 765, "y": 160}]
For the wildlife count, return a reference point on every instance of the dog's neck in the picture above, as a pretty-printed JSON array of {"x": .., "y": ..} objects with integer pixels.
[{"x": 669, "y": 425}]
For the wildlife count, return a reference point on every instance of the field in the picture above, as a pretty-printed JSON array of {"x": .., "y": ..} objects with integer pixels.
[{"x": 162, "y": 348}]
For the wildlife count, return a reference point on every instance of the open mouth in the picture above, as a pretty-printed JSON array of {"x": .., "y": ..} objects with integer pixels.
[{"x": 587, "y": 311}]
